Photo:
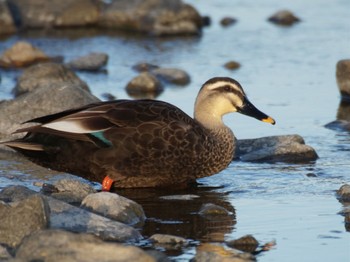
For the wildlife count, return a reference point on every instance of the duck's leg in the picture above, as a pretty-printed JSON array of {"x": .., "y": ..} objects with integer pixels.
[{"x": 107, "y": 183}]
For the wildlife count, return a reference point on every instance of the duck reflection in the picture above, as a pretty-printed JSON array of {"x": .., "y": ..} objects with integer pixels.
[{"x": 178, "y": 213}]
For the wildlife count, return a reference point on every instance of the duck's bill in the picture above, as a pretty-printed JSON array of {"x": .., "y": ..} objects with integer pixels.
[{"x": 250, "y": 110}]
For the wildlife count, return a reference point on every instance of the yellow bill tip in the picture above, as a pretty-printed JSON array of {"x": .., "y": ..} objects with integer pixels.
[{"x": 269, "y": 120}]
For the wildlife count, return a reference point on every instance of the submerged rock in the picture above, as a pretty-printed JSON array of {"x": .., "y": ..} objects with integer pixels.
[
  {"x": 22, "y": 54},
  {"x": 212, "y": 209},
  {"x": 20, "y": 219},
  {"x": 58, "y": 245},
  {"x": 228, "y": 21},
  {"x": 287, "y": 148},
  {"x": 168, "y": 242},
  {"x": 156, "y": 17},
  {"x": 7, "y": 25},
  {"x": 144, "y": 67},
  {"x": 172, "y": 75},
  {"x": 90, "y": 62},
  {"x": 284, "y": 17},
  {"x": 246, "y": 243},
  {"x": 341, "y": 125},
  {"x": 343, "y": 193},
  {"x": 343, "y": 77},
  {"x": 145, "y": 84},
  {"x": 47, "y": 75},
  {"x": 115, "y": 207}
]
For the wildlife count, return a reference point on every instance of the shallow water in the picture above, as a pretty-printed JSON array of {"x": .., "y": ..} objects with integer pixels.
[{"x": 289, "y": 73}]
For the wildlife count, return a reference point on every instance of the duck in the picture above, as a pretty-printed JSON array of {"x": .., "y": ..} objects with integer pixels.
[{"x": 140, "y": 143}]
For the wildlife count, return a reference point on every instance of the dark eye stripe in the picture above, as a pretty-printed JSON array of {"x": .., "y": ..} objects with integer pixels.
[{"x": 228, "y": 88}]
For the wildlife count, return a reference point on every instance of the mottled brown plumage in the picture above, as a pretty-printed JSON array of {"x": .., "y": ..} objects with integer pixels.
[{"x": 141, "y": 143}]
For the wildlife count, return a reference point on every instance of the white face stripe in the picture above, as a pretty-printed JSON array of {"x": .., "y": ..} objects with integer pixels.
[{"x": 221, "y": 83}]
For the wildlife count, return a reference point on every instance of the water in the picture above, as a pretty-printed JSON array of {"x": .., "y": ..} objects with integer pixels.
[{"x": 289, "y": 73}]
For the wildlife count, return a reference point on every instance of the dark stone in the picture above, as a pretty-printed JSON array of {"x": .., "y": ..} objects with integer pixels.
[
  {"x": 90, "y": 62},
  {"x": 212, "y": 209},
  {"x": 55, "y": 13},
  {"x": 169, "y": 242},
  {"x": 284, "y": 17},
  {"x": 58, "y": 245},
  {"x": 144, "y": 67},
  {"x": 172, "y": 75},
  {"x": 7, "y": 24},
  {"x": 115, "y": 207},
  {"x": 246, "y": 243},
  {"x": 343, "y": 193},
  {"x": 144, "y": 85},
  {"x": 22, "y": 218},
  {"x": 343, "y": 77},
  {"x": 341, "y": 125},
  {"x": 228, "y": 21},
  {"x": 287, "y": 148},
  {"x": 47, "y": 75},
  {"x": 232, "y": 65},
  {"x": 155, "y": 17},
  {"x": 15, "y": 193}
]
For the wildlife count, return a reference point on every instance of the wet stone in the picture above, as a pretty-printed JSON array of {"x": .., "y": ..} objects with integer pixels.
[
  {"x": 284, "y": 17},
  {"x": 20, "y": 219},
  {"x": 341, "y": 125},
  {"x": 246, "y": 243},
  {"x": 144, "y": 67},
  {"x": 212, "y": 209},
  {"x": 172, "y": 75},
  {"x": 115, "y": 207},
  {"x": 343, "y": 77},
  {"x": 90, "y": 62},
  {"x": 228, "y": 21},
  {"x": 58, "y": 245},
  {"x": 343, "y": 193},
  {"x": 232, "y": 65},
  {"x": 22, "y": 54},
  {"x": 7, "y": 25},
  {"x": 144, "y": 84},
  {"x": 71, "y": 191},
  {"x": 15, "y": 193},
  {"x": 168, "y": 241}
]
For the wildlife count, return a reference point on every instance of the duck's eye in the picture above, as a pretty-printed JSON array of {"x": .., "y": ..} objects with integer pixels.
[{"x": 227, "y": 88}]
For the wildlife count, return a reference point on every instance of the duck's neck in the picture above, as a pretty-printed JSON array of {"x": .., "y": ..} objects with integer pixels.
[{"x": 208, "y": 117}]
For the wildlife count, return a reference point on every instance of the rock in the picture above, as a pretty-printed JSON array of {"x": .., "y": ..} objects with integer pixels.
[
  {"x": 232, "y": 65},
  {"x": 343, "y": 193},
  {"x": 144, "y": 67},
  {"x": 155, "y": 17},
  {"x": 67, "y": 217},
  {"x": 55, "y": 13},
  {"x": 284, "y": 17},
  {"x": 343, "y": 112},
  {"x": 22, "y": 218},
  {"x": 71, "y": 191},
  {"x": 15, "y": 193},
  {"x": 246, "y": 244},
  {"x": 341, "y": 125},
  {"x": 47, "y": 75},
  {"x": 228, "y": 21},
  {"x": 144, "y": 84},
  {"x": 287, "y": 148},
  {"x": 42, "y": 101},
  {"x": 90, "y": 62},
  {"x": 172, "y": 75},
  {"x": 179, "y": 197},
  {"x": 343, "y": 77},
  {"x": 58, "y": 245},
  {"x": 168, "y": 242},
  {"x": 4, "y": 254},
  {"x": 7, "y": 25},
  {"x": 22, "y": 54},
  {"x": 212, "y": 209},
  {"x": 115, "y": 207},
  {"x": 211, "y": 252}
]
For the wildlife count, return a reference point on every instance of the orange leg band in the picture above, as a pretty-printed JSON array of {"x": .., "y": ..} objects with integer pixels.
[{"x": 107, "y": 183}]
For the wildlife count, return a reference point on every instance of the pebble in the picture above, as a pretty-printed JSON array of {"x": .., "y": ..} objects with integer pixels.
[
  {"x": 343, "y": 77},
  {"x": 90, "y": 62},
  {"x": 144, "y": 85},
  {"x": 284, "y": 17},
  {"x": 144, "y": 67},
  {"x": 343, "y": 193},
  {"x": 22, "y": 54},
  {"x": 115, "y": 207},
  {"x": 228, "y": 21},
  {"x": 232, "y": 65}
]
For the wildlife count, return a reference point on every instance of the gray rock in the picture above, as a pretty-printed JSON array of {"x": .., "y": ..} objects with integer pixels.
[
  {"x": 343, "y": 77},
  {"x": 115, "y": 207},
  {"x": 15, "y": 193},
  {"x": 179, "y": 197},
  {"x": 168, "y": 241},
  {"x": 156, "y": 17},
  {"x": 42, "y": 101},
  {"x": 145, "y": 84},
  {"x": 172, "y": 75},
  {"x": 22, "y": 54},
  {"x": 47, "y": 75},
  {"x": 343, "y": 193},
  {"x": 7, "y": 25},
  {"x": 228, "y": 21},
  {"x": 90, "y": 62},
  {"x": 287, "y": 148},
  {"x": 55, "y": 13},
  {"x": 246, "y": 243},
  {"x": 58, "y": 245},
  {"x": 20, "y": 219},
  {"x": 71, "y": 218},
  {"x": 284, "y": 17},
  {"x": 210, "y": 209},
  {"x": 72, "y": 191},
  {"x": 214, "y": 253}
]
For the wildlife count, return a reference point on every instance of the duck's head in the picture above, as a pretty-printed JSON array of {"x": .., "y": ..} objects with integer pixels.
[{"x": 222, "y": 95}]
